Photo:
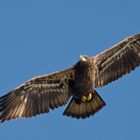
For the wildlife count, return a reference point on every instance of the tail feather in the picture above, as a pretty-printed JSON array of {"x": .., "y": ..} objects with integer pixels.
[{"x": 84, "y": 109}]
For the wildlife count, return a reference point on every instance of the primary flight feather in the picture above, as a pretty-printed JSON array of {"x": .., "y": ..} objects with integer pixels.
[{"x": 40, "y": 94}]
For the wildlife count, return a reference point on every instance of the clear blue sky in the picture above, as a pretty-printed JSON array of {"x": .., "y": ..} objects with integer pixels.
[{"x": 43, "y": 36}]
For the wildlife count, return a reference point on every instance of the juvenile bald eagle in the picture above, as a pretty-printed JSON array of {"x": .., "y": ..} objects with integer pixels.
[{"x": 40, "y": 94}]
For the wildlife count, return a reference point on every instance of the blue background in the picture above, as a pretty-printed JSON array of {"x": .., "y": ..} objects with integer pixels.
[{"x": 43, "y": 36}]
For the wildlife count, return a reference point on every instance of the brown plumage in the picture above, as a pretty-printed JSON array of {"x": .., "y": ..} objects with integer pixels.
[{"x": 51, "y": 91}]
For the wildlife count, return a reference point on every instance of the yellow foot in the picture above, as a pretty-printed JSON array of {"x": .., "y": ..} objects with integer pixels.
[
  {"x": 86, "y": 98},
  {"x": 83, "y": 99}
]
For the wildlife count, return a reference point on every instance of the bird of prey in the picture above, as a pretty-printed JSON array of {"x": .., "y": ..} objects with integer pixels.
[{"x": 78, "y": 82}]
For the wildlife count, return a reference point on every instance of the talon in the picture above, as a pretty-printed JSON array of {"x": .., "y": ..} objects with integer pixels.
[{"x": 89, "y": 97}]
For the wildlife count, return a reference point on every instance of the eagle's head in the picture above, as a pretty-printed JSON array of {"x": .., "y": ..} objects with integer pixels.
[{"x": 85, "y": 60}]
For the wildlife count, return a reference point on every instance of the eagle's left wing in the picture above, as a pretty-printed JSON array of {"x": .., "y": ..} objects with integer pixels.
[
  {"x": 117, "y": 61},
  {"x": 37, "y": 96}
]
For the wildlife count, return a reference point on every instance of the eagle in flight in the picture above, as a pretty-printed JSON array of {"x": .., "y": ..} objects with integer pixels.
[{"x": 50, "y": 91}]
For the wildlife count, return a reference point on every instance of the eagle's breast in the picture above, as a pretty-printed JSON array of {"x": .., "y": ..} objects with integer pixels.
[{"x": 84, "y": 75}]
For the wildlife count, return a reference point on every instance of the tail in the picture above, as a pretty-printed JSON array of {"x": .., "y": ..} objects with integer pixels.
[{"x": 84, "y": 109}]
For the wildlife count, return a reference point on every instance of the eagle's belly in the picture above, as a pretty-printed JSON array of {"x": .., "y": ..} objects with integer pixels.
[{"x": 83, "y": 83}]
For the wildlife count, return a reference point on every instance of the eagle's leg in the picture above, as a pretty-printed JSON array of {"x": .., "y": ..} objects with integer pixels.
[{"x": 84, "y": 98}]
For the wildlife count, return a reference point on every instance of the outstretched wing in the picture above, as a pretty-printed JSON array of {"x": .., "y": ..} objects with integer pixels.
[
  {"x": 117, "y": 61},
  {"x": 37, "y": 96}
]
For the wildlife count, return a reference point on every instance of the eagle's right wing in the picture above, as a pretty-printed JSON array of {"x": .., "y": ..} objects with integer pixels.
[
  {"x": 117, "y": 61},
  {"x": 37, "y": 96}
]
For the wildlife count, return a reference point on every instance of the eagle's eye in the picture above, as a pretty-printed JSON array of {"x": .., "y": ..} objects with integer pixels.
[{"x": 83, "y": 58}]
